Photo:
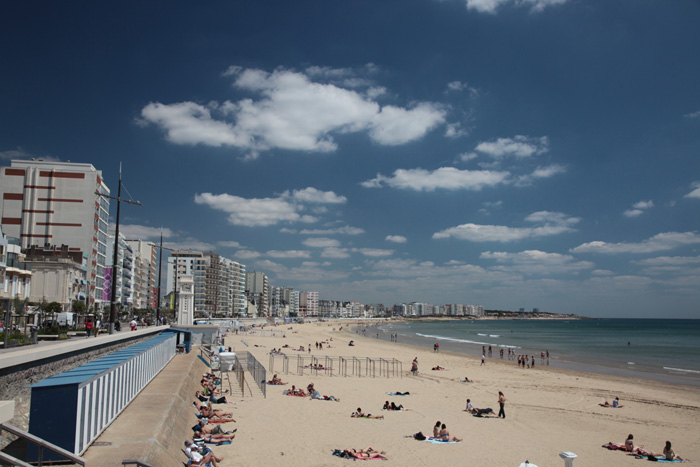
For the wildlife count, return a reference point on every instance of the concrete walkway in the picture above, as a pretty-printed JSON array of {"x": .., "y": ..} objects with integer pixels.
[{"x": 156, "y": 423}]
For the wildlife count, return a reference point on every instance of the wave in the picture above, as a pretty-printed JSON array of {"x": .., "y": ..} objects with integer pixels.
[
  {"x": 465, "y": 341},
  {"x": 494, "y": 335},
  {"x": 479, "y": 334},
  {"x": 681, "y": 369},
  {"x": 630, "y": 363}
]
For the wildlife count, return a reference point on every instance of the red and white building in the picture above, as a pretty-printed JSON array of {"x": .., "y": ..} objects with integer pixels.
[{"x": 56, "y": 203}]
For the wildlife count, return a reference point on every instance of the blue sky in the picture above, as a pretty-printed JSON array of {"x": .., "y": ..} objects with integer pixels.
[{"x": 507, "y": 153}]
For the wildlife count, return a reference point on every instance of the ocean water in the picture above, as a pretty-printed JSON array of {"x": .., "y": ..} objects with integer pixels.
[{"x": 659, "y": 349}]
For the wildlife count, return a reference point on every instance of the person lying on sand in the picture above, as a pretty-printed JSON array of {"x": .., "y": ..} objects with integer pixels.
[
  {"x": 367, "y": 453},
  {"x": 212, "y": 415},
  {"x": 627, "y": 446},
  {"x": 294, "y": 392},
  {"x": 393, "y": 406},
  {"x": 667, "y": 454},
  {"x": 214, "y": 439},
  {"x": 438, "y": 368},
  {"x": 478, "y": 412},
  {"x": 360, "y": 414},
  {"x": 317, "y": 395}
]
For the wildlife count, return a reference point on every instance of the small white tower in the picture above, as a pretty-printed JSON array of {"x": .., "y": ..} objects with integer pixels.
[{"x": 185, "y": 300}]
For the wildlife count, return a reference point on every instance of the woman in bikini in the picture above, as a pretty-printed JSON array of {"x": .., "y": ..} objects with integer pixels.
[
  {"x": 446, "y": 437},
  {"x": 366, "y": 453}
]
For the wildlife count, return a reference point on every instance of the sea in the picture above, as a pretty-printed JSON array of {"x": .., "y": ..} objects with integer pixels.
[{"x": 658, "y": 349}]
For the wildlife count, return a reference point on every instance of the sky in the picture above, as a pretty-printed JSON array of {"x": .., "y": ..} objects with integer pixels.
[{"x": 503, "y": 153}]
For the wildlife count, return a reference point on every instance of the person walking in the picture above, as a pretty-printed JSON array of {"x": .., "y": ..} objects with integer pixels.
[
  {"x": 502, "y": 404},
  {"x": 88, "y": 328}
]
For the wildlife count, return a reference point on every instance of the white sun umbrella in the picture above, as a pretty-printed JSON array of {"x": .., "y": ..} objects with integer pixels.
[{"x": 527, "y": 464}]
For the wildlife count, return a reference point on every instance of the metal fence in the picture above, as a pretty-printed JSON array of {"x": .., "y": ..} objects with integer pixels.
[{"x": 337, "y": 366}]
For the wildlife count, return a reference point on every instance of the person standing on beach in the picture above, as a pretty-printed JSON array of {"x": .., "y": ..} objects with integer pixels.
[
  {"x": 502, "y": 404},
  {"x": 414, "y": 366},
  {"x": 483, "y": 359}
]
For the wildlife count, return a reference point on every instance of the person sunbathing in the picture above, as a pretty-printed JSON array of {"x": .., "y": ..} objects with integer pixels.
[
  {"x": 360, "y": 414},
  {"x": 446, "y": 437},
  {"x": 627, "y": 446},
  {"x": 214, "y": 439},
  {"x": 466, "y": 380},
  {"x": 367, "y": 453},
  {"x": 438, "y": 368},
  {"x": 211, "y": 414},
  {"x": 276, "y": 381},
  {"x": 615, "y": 403},
  {"x": 316, "y": 395},
  {"x": 294, "y": 392},
  {"x": 193, "y": 453},
  {"x": 207, "y": 429},
  {"x": 478, "y": 412}
]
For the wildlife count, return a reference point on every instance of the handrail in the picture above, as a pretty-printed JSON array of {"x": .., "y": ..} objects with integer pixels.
[
  {"x": 43, "y": 444},
  {"x": 8, "y": 459}
]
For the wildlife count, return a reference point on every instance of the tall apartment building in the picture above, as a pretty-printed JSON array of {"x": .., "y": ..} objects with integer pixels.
[
  {"x": 219, "y": 283},
  {"x": 124, "y": 272},
  {"x": 144, "y": 290},
  {"x": 283, "y": 301},
  {"x": 308, "y": 303},
  {"x": 15, "y": 276},
  {"x": 55, "y": 203},
  {"x": 256, "y": 290}
]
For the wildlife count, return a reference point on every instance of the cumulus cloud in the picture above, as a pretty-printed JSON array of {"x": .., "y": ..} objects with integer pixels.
[
  {"x": 518, "y": 146},
  {"x": 142, "y": 232},
  {"x": 447, "y": 178},
  {"x": 21, "y": 154},
  {"x": 692, "y": 114},
  {"x": 292, "y": 111},
  {"x": 321, "y": 242},
  {"x": 288, "y": 254},
  {"x": 395, "y": 239},
  {"x": 538, "y": 262},
  {"x": 260, "y": 212},
  {"x": 695, "y": 193},
  {"x": 344, "y": 230},
  {"x": 550, "y": 223},
  {"x": 638, "y": 208},
  {"x": 229, "y": 244},
  {"x": 492, "y": 6},
  {"x": 337, "y": 253},
  {"x": 246, "y": 254},
  {"x": 374, "y": 252},
  {"x": 539, "y": 173},
  {"x": 660, "y": 242}
]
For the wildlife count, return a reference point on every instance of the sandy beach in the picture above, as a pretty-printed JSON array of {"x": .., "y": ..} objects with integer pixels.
[{"x": 549, "y": 410}]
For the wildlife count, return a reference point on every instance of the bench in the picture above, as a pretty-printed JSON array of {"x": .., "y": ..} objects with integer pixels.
[{"x": 48, "y": 337}]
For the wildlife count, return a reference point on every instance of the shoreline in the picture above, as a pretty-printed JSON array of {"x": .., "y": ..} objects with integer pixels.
[{"x": 681, "y": 377}]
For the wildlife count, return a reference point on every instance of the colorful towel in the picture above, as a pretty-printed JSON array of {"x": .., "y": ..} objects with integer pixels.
[
  {"x": 660, "y": 459},
  {"x": 394, "y": 394},
  {"x": 439, "y": 441},
  {"x": 220, "y": 443}
]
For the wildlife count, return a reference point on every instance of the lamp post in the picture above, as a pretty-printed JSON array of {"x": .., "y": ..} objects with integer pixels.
[{"x": 112, "y": 309}]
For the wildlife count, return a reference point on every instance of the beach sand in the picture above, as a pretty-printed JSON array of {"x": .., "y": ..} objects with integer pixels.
[{"x": 548, "y": 410}]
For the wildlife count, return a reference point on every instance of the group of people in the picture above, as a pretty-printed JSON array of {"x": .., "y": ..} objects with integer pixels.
[
  {"x": 488, "y": 411},
  {"x": 615, "y": 403},
  {"x": 441, "y": 433},
  {"x": 208, "y": 429},
  {"x": 639, "y": 451}
]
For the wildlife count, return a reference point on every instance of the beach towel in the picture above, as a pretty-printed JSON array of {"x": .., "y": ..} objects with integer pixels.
[
  {"x": 339, "y": 453},
  {"x": 659, "y": 459},
  {"x": 220, "y": 443},
  {"x": 439, "y": 441},
  {"x": 394, "y": 394}
]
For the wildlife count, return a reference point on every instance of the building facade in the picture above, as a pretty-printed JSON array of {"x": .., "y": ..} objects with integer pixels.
[
  {"x": 58, "y": 275},
  {"x": 144, "y": 293},
  {"x": 256, "y": 289},
  {"x": 56, "y": 203}
]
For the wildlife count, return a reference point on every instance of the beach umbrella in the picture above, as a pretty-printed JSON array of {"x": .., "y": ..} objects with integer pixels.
[{"x": 527, "y": 464}]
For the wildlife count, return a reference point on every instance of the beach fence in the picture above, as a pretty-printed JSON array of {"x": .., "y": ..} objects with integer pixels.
[
  {"x": 242, "y": 362},
  {"x": 315, "y": 365},
  {"x": 265, "y": 332}
]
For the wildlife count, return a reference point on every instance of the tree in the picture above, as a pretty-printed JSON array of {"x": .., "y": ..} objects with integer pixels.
[{"x": 79, "y": 307}]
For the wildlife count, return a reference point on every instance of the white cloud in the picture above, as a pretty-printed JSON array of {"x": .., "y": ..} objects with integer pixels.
[
  {"x": 142, "y": 232},
  {"x": 293, "y": 112},
  {"x": 395, "y": 238},
  {"x": 288, "y": 254},
  {"x": 455, "y": 130},
  {"x": 538, "y": 262},
  {"x": 313, "y": 195},
  {"x": 660, "y": 242},
  {"x": 321, "y": 242},
  {"x": 246, "y": 254},
  {"x": 448, "y": 178},
  {"x": 491, "y": 6},
  {"x": 338, "y": 253},
  {"x": 375, "y": 252},
  {"x": 552, "y": 223},
  {"x": 345, "y": 230},
  {"x": 467, "y": 156},
  {"x": 189, "y": 244},
  {"x": 229, "y": 244},
  {"x": 253, "y": 212},
  {"x": 256, "y": 212},
  {"x": 669, "y": 261},
  {"x": 518, "y": 146},
  {"x": 692, "y": 114},
  {"x": 695, "y": 193},
  {"x": 539, "y": 173},
  {"x": 638, "y": 208}
]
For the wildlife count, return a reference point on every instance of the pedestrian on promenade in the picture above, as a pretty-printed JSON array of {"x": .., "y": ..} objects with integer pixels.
[{"x": 88, "y": 328}]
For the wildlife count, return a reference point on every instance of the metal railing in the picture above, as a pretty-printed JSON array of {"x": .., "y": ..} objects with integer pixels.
[
  {"x": 41, "y": 444},
  {"x": 338, "y": 365},
  {"x": 258, "y": 371}
]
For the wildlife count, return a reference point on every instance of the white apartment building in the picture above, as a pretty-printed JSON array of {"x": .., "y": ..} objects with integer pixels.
[
  {"x": 144, "y": 291},
  {"x": 219, "y": 283},
  {"x": 256, "y": 289},
  {"x": 124, "y": 272},
  {"x": 55, "y": 203},
  {"x": 15, "y": 278},
  {"x": 58, "y": 275}
]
